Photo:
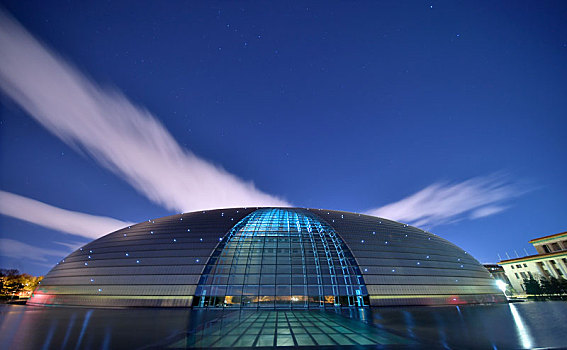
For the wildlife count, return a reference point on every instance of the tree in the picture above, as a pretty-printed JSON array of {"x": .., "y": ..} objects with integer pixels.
[
  {"x": 12, "y": 282},
  {"x": 532, "y": 286}
]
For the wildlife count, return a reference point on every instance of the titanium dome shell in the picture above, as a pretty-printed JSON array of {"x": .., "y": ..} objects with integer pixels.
[{"x": 267, "y": 258}]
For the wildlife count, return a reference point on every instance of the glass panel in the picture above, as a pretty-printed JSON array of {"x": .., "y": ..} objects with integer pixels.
[{"x": 280, "y": 258}]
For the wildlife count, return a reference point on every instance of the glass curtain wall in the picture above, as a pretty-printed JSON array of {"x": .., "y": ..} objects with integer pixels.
[{"x": 281, "y": 258}]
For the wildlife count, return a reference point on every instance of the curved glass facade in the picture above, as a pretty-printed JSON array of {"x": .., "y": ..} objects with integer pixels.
[
  {"x": 267, "y": 258},
  {"x": 281, "y": 258}
]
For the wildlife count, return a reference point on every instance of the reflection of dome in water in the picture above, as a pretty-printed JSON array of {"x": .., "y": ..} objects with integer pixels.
[{"x": 267, "y": 258}]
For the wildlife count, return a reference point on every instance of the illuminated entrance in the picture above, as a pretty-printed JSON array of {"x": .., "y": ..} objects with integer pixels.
[{"x": 281, "y": 258}]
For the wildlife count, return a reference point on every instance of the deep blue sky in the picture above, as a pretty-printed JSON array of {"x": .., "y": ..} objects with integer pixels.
[{"x": 348, "y": 105}]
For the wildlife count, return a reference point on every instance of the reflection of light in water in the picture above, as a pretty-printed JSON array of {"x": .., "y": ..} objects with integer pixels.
[
  {"x": 84, "y": 328},
  {"x": 439, "y": 324},
  {"x": 49, "y": 336},
  {"x": 106, "y": 342},
  {"x": 410, "y": 324},
  {"x": 68, "y": 333},
  {"x": 522, "y": 330}
]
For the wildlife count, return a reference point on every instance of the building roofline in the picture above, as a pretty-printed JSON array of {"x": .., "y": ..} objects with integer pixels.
[
  {"x": 545, "y": 238},
  {"x": 533, "y": 257}
]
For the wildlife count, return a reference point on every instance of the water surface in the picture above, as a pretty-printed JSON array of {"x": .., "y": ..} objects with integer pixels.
[{"x": 501, "y": 326}]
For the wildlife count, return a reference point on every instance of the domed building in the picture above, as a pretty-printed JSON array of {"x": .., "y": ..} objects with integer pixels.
[{"x": 267, "y": 258}]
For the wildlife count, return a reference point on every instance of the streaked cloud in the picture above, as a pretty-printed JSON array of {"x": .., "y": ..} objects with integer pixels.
[
  {"x": 441, "y": 203},
  {"x": 15, "y": 249},
  {"x": 72, "y": 222},
  {"x": 123, "y": 137}
]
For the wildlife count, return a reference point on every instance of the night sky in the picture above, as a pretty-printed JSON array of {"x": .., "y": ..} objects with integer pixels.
[{"x": 341, "y": 105}]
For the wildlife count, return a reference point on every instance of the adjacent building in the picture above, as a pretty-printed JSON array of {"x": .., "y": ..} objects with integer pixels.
[
  {"x": 268, "y": 258},
  {"x": 551, "y": 261}
]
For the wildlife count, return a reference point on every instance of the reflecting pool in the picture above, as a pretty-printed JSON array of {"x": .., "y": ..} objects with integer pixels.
[{"x": 500, "y": 326}]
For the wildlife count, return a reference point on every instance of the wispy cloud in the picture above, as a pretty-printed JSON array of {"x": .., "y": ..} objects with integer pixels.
[
  {"x": 121, "y": 136},
  {"x": 72, "y": 222},
  {"x": 15, "y": 249},
  {"x": 441, "y": 203}
]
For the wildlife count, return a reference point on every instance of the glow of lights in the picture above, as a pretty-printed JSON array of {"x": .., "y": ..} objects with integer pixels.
[
  {"x": 522, "y": 330},
  {"x": 127, "y": 254},
  {"x": 100, "y": 289},
  {"x": 137, "y": 261},
  {"x": 501, "y": 285},
  {"x": 86, "y": 264},
  {"x": 197, "y": 260},
  {"x": 92, "y": 279}
]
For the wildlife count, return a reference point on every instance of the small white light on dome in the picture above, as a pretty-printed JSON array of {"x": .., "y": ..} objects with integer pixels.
[
  {"x": 200, "y": 239},
  {"x": 462, "y": 265},
  {"x": 90, "y": 251},
  {"x": 188, "y": 230},
  {"x": 92, "y": 279},
  {"x": 393, "y": 270},
  {"x": 365, "y": 270},
  {"x": 151, "y": 232},
  {"x": 175, "y": 240},
  {"x": 137, "y": 261},
  {"x": 220, "y": 238},
  {"x": 100, "y": 289},
  {"x": 362, "y": 241},
  {"x": 124, "y": 235},
  {"x": 197, "y": 260},
  {"x": 86, "y": 264},
  {"x": 127, "y": 254},
  {"x": 89, "y": 256},
  {"x": 418, "y": 263},
  {"x": 427, "y": 257}
]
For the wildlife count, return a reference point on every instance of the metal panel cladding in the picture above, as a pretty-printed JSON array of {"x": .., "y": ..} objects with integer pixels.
[{"x": 267, "y": 258}]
